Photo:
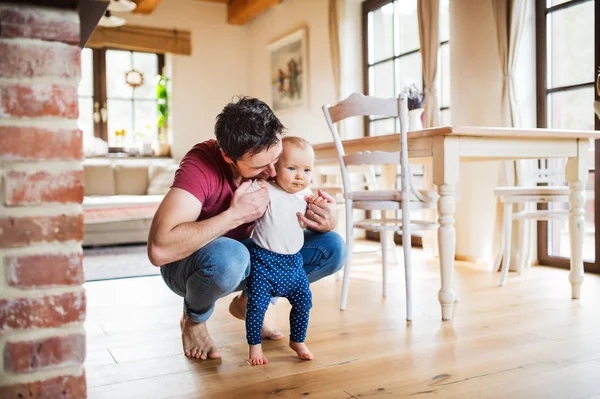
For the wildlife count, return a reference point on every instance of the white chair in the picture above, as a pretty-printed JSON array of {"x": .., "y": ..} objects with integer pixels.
[
  {"x": 382, "y": 200},
  {"x": 548, "y": 172}
]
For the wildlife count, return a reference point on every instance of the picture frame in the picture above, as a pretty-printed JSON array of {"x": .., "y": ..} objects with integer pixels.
[{"x": 288, "y": 71}]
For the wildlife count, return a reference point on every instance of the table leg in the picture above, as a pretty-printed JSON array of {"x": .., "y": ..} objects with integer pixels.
[
  {"x": 577, "y": 174},
  {"x": 445, "y": 176}
]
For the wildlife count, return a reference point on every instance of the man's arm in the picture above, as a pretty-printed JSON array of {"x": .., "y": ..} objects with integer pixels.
[{"x": 175, "y": 233}]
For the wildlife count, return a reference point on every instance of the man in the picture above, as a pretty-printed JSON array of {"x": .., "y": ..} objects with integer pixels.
[{"x": 200, "y": 232}]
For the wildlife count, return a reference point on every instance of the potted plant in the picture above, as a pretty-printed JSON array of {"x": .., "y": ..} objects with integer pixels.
[
  {"x": 162, "y": 110},
  {"x": 415, "y": 98}
]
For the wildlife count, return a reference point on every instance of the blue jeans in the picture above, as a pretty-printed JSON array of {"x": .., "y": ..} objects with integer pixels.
[{"x": 221, "y": 267}]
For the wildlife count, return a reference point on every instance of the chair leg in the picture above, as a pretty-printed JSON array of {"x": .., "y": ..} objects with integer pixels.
[
  {"x": 406, "y": 248},
  {"x": 498, "y": 260},
  {"x": 349, "y": 245},
  {"x": 383, "y": 239},
  {"x": 523, "y": 246},
  {"x": 507, "y": 226}
]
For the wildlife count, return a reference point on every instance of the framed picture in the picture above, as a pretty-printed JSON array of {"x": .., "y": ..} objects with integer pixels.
[{"x": 289, "y": 75}]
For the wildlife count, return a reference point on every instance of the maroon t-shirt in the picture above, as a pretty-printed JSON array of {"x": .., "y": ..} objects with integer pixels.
[{"x": 204, "y": 173}]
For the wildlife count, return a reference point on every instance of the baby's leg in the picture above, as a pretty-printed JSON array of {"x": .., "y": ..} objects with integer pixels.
[
  {"x": 301, "y": 300},
  {"x": 258, "y": 301}
]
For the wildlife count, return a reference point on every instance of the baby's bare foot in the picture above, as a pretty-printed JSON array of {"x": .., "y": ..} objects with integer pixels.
[
  {"x": 237, "y": 308},
  {"x": 196, "y": 341},
  {"x": 255, "y": 355},
  {"x": 302, "y": 350}
]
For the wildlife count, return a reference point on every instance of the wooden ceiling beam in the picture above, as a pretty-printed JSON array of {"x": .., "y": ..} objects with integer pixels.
[
  {"x": 145, "y": 6},
  {"x": 241, "y": 11}
]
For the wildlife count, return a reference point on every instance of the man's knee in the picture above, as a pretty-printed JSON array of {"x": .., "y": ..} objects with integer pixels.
[{"x": 230, "y": 261}]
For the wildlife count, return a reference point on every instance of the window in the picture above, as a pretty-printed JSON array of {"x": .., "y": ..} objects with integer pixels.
[
  {"x": 566, "y": 69},
  {"x": 393, "y": 57},
  {"x": 121, "y": 111}
]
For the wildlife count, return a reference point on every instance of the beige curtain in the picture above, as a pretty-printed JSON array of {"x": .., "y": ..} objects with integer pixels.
[
  {"x": 428, "y": 12},
  {"x": 510, "y": 17},
  {"x": 334, "y": 46}
]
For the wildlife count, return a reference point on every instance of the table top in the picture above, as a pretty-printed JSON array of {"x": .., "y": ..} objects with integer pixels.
[{"x": 477, "y": 131}]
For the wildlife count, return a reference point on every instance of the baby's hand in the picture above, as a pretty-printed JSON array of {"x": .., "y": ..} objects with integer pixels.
[{"x": 316, "y": 199}]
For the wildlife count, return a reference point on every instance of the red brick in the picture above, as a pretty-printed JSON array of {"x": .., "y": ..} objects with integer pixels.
[
  {"x": 25, "y": 357},
  {"x": 21, "y": 188},
  {"x": 39, "y": 23},
  {"x": 23, "y": 231},
  {"x": 64, "y": 387},
  {"x": 32, "y": 143},
  {"x": 32, "y": 271},
  {"x": 39, "y": 100},
  {"x": 44, "y": 312},
  {"x": 31, "y": 59}
]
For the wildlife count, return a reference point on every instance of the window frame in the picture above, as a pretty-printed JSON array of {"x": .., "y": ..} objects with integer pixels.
[
  {"x": 100, "y": 91},
  {"x": 542, "y": 122},
  {"x": 367, "y": 7}
]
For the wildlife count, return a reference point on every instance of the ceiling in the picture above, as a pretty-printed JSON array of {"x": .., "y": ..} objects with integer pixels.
[{"x": 239, "y": 12}]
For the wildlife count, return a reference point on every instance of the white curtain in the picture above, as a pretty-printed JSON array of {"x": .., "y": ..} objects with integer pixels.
[
  {"x": 428, "y": 12},
  {"x": 510, "y": 17}
]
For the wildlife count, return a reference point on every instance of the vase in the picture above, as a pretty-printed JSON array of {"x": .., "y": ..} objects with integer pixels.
[{"x": 414, "y": 119}]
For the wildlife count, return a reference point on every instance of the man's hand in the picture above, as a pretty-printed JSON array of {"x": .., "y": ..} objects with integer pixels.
[
  {"x": 248, "y": 206},
  {"x": 320, "y": 213}
]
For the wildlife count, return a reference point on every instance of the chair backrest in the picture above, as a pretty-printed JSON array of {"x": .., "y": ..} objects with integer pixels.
[{"x": 360, "y": 105}]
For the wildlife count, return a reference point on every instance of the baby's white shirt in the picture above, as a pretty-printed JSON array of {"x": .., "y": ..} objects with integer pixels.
[{"x": 279, "y": 229}]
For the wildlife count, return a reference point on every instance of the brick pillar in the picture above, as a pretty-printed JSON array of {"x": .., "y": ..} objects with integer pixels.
[{"x": 42, "y": 301}]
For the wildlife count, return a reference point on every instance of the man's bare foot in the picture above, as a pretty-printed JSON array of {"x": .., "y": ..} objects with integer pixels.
[
  {"x": 196, "y": 341},
  {"x": 237, "y": 308},
  {"x": 255, "y": 355},
  {"x": 302, "y": 350}
]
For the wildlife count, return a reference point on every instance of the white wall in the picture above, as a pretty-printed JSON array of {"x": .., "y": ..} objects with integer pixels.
[
  {"x": 290, "y": 15},
  {"x": 476, "y": 77},
  {"x": 205, "y": 81}
]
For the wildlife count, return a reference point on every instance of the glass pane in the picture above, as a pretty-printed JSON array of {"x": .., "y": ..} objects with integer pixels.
[
  {"x": 147, "y": 65},
  {"x": 443, "y": 82},
  {"x": 571, "y": 45},
  {"x": 571, "y": 109},
  {"x": 446, "y": 119},
  {"x": 86, "y": 84},
  {"x": 145, "y": 121},
  {"x": 384, "y": 126},
  {"x": 381, "y": 33},
  {"x": 120, "y": 121},
  {"x": 118, "y": 63},
  {"x": 408, "y": 71},
  {"x": 551, "y": 3},
  {"x": 444, "y": 20},
  {"x": 558, "y": 231},
  {"x": 407, "y": 27},
  {"x": 85, "y": 122},
  {"x": 381, "y": 80}
]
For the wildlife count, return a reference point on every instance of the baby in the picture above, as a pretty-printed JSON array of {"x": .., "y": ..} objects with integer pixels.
[{"x": 276, "y": 262}]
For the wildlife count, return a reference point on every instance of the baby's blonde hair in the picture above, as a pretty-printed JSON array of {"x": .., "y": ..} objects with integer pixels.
[{"x": 296, "y": 141}]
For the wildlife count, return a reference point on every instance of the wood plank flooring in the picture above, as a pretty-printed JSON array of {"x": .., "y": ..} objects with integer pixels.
[{"x": 526, "y": 340}]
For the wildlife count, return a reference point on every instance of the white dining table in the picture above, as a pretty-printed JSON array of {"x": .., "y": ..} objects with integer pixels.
[{"x": 445, "y": 147}]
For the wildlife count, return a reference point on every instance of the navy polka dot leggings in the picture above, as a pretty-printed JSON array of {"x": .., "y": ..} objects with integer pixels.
[{"x": 276, "y": 275}]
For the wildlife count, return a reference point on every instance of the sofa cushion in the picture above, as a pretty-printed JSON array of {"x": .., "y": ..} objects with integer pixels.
[
  {"x": 162, "y": 179},
  {"x": 99, "y": 179},
  {"x": 131, "y": 179}
]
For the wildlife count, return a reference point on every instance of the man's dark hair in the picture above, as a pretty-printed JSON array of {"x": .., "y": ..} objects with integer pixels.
[{"x": 247, "y": 126}]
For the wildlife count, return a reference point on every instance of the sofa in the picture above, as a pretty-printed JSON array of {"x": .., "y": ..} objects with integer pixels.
[{"x": 121, "y": 197}]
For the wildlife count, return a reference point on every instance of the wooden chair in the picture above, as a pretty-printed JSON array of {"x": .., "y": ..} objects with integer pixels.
[
  {"x": 379, "y": 200},
  {"x": 548, "y": 172}
]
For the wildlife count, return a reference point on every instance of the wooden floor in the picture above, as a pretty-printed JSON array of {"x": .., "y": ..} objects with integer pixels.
[{"x": 526, "y": 340}]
